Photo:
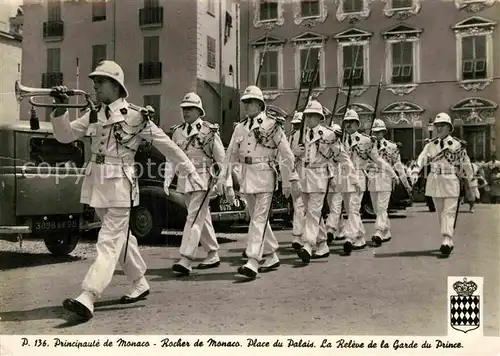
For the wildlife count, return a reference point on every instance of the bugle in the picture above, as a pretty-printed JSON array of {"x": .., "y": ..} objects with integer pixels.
[{"x": 23, "y": 91}]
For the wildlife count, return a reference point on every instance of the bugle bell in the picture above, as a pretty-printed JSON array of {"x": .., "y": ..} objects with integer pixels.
[{"x": 23, "y": 91}]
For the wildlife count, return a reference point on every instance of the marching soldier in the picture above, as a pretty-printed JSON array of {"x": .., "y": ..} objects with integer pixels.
[
  {"x": 362, "y": 152},
  {"x": 334, "y": 223},
  {"x": 201, "y": 142},
  {"x": 110, "y": 185},
  {"x": 314, "y": 165},
  {"x": 255, "y": 143},
  {"x": 380, "y": 185},
  {"x": 449, "y": 162},
  {"x": 298, "y": 203}
]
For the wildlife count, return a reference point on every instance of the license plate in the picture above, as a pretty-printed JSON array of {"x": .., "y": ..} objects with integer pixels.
[
  {"x": 53, "y": 223},
  {"x": 225, "y": 206}
]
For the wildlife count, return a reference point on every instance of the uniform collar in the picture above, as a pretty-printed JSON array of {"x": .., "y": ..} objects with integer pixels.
[
  {"x": 118, "y": 104},
  {"x": 116, "y": 113},
  {"x": 194, "y": 126},
  {"x": 261, "y": 116}
]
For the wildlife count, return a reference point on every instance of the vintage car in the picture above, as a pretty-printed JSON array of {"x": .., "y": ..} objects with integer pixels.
[
  {"x": 40, "y": 182},
  {"x": 157, "y": 211}
]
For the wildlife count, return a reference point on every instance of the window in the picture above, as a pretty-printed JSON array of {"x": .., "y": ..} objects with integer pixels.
[
  {"x": 402, "y": 63},
  {"x": 98, "y": 54},
  {"x": 308, "y": 58},
  {"x": 152, "y": 49},
  {"x": 309, "y": 8},
  {"x": 55, "y": 154},
  {"x": 211, "y": 7},
  {"x": 352, "y": 5},
  {"x": 269, "y": 73},
  {"x": 401, "y": 4},
  {"x": 98, "y": 10},
  {"x": 54, "y": 10},
  {"x": 151, "y": 3},
  {"x": 211, "y": 57},
  {"x": 474, "y": 57},
  {"x": 53, "y": 60},
  {"x": 268, "y": 10},
  {"x": 475, "y": 48},
  {"x": 154, "y": 101},
  {"x": 353, "y": 60}
]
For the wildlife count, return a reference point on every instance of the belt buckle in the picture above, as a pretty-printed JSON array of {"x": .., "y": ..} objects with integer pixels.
[
  {"x": 99, "y": 159},
  {"x": 248, "y": 160}
]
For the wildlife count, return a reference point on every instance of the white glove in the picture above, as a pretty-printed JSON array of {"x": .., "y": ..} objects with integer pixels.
[
  {"x": 166, "y": 186},
  {"x": 195, "y": 180},
  {"x": 230, "y": 196}
]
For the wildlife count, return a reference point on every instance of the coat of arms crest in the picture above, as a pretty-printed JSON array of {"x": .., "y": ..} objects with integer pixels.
[{"x": 465, "y": 306}]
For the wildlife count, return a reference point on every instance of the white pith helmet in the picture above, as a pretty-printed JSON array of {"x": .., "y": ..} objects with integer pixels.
[
  {"x": 351, "y": 115},
  {"x": 253, "y": 92},
  {"x": 192, "y": 100},
  {"x": 297, "y": 118},
  {"x": 378, "y": 125},
  {"x": 336, "y": 128},
  {"x": 112, "y": 70},
  {"x": 314, "y": 107},
  {"x": 443, "y": 117}
]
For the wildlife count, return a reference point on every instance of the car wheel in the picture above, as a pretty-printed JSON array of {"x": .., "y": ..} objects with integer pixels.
[
  {"x": 145, "y": 222},
  {"x": 61, "y": 244}
]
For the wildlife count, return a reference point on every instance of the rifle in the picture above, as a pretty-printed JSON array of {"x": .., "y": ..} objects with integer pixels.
[
  {"x": 302, "y": 79},
  {"x": 374, "y": 115},
  {"x": 351, "y": 73},
  {"x": 311, "y": 83},
  {"x": 261, "y": 64}
]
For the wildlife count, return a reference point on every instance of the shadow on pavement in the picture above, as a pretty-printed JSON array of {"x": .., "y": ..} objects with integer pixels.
[
  {"x": 429, "y": 253},
  {"x": 166, "y": 274},
  {"x": 13, "y": 259}
]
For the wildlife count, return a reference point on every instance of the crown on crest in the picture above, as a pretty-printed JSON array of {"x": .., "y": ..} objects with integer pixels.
[{"x": 465, "y": 288}]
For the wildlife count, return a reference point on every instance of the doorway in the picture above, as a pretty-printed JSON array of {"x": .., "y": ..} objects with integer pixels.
[{"x": 478, "y": 139}]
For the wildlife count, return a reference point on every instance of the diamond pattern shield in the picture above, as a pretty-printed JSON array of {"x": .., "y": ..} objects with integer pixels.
[{"x": 464, "y": 312}]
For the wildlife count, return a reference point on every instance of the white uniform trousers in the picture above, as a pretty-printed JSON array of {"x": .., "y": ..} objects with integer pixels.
[
  {"x": 322, "y": 237},
  {"x": 258, "y": 208},
  {"x": 313, "y": 204},
  {"x": 298, "y": 218},
  {"x": 335, "y": 222},
  {"x": 354, "y": 226},
  {"x": 202, "y": 230},
  {"x": 380, "y": 203},
  {"x": 446, "y": 209},
  {"x": 110, "y": 250}
]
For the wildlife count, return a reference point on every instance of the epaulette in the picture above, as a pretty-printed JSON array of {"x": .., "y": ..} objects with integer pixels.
[
  {"x": 175, "y": 127},
  {"x": 135, "y": 107},
  {"x": 373, "y": 139},
  {"x": 211, "y": 126},
  {"x": 462, "y": 142}
]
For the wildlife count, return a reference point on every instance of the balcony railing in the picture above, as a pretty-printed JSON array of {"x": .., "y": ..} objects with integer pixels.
[
  {"x": 151, "y": 17},
  {"x": 52, "y": 79},
  {"x": 53, "y": 30},
  {"x": 150, "y": 72}
]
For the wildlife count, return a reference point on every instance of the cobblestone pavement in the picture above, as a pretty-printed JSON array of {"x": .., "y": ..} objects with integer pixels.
[{"x": 399, "y": 288}]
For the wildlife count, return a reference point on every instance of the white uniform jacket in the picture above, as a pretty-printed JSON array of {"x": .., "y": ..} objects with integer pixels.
[
  {"x": 379, "y": 181},
  {"x": 363, "y": 152},
  {"x": 204, "y": 148},
  {"x": 111, "y": 172},
  {"x": 321, "y": 155},
  {"x": 255, "y": 145},
  {"x": 449, "y": 162}
]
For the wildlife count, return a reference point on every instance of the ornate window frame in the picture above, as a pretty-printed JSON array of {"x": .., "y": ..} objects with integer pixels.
[
  {"x": 352, "y": 17},
  {"x": 474, "y": 111},
  {"x": 364, "y": 111},
  {"x": 475, "y": 26},
  {"x": 402, "y": 33},
  {"x": 270, "y": 44},
  {"x": 267, "y": 24},
  {"x": 402, "y": 13},
  {"x": 402, "y": 114},
  {"x": 309, "y": 21},
  {"x": 473, "y": 6},
  {"x": 304, "y": 41},
  {"x": 353, "y": 37}
]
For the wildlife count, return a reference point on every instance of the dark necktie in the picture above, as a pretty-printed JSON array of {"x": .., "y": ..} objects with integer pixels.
[
  {"x": 349, "y": 140},
  {"x": 250, "y": 123},
  {"x": 189, "y": 128},
  {"x": 378, "y": 145},
  {"x": 107, "y": 112},
  {"x": 311, "y": 134},
  {"x": 441, "y": 143}
]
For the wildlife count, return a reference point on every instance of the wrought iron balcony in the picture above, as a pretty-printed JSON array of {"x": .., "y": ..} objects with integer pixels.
[
  {"x": 53, "y": 30},
  {"x": 150, "y": 72},
  {"x": 52, "y": 79},
  {"x": 151, "y": 17}
]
